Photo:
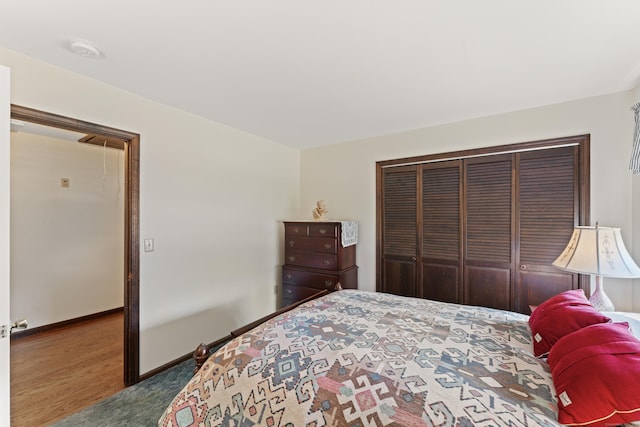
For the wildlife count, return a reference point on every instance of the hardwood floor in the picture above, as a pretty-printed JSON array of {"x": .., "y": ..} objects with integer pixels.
[{"x": 58, "y": 372}]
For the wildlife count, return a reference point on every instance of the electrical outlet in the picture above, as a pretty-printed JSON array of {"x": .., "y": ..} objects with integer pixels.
[
  {"x": 148, "y": 245},
  {"x": 64, "y": 182}
]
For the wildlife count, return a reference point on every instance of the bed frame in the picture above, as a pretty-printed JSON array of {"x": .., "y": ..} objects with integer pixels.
[{"x": 201, "y": 354}]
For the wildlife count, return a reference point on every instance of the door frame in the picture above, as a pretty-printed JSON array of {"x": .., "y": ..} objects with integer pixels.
[{"x": 131, "y": 222}]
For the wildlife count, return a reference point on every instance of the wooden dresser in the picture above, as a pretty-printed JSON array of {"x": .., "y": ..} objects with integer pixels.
[{"x": 314, "y": 259}]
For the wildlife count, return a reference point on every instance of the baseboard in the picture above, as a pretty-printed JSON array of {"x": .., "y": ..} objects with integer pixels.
[
  {"x": 64, "y": 323},
  {"x": 183, "y": 358},
  {"x": 233, "y": 334}
]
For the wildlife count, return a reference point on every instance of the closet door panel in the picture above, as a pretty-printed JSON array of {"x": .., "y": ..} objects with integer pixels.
[
  {"x": 537, "y": 287},
  {"x": 548, "y": 210},
  {"x": 489, "y": 231},
  {"x": 441, "y": 231},
  {"x": 400, "y": 277},
  {"x": 488, "y": 287},
  {"x": 400, "y": 241},
  {"x": 441, "y": 282}
]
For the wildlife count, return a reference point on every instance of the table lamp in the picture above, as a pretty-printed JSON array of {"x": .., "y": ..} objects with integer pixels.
[{"x": 600, "y": 251}]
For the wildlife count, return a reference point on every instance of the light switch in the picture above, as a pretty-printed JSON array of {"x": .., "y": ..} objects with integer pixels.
[{"x": 148, "y": 245}]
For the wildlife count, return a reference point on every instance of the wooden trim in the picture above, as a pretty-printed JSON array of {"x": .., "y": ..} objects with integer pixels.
[
  {"x": 132, "y": 260},
  {"x": 57, "y": 121},
  {"x": 584, "y": 281},
  {"x": 201, "y": 352},
  {"x": 379, "y": 233},
  {"x": 485, "y": 151},
  {"x": 131, "y": 222},
  {"x": 252, "y": 325},
  {"x": 65, "y": 323},
  {"x": 181, "y": 359},
  {"x": 232, "y": 335}
]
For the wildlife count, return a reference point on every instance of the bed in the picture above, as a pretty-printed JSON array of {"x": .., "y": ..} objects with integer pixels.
[{"x": 361, "y": 358}]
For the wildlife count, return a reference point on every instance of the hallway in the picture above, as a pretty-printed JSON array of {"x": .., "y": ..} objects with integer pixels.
[{"x": 56, "y": 373}]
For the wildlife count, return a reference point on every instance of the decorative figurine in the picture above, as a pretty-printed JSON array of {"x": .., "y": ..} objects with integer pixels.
[{"x": 319, "y": 213}]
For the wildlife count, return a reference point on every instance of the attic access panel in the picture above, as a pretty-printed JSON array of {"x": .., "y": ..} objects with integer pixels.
[{"x": 102, "y": 140}]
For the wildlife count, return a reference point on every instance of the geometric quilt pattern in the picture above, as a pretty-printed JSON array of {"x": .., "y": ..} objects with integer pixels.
[{"x": 356, "y": 358}]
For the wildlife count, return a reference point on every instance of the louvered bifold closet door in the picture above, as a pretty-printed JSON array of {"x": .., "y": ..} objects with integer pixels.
[
  {"x": 399, "y": 233},
  {"x": 441, "y": 227},
  {"x": 488, "y": 249},
  {"x": 548, "y": 210}
]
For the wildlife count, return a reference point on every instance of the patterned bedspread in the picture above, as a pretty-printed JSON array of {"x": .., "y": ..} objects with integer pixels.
[{"x": 355, "y": 358}]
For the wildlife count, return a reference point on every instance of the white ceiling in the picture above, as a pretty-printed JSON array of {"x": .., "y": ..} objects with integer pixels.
[{"x": 308, "y": 73}]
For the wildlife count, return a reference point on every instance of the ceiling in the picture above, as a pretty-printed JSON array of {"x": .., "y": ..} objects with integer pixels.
[{"x": 312, "y": 73}]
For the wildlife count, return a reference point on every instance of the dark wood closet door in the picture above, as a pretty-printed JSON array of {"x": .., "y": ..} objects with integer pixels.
[
  {"x": 400, "y": 240},
  {"x": 482, "y": 227},
  {"x": 441, "y": 259},
  {"x": 488, "y": 251},
  {"x": 548, "y": 209}
]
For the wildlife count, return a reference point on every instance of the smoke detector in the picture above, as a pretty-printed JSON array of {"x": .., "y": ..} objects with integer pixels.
[{"x": 85, "y": 49}]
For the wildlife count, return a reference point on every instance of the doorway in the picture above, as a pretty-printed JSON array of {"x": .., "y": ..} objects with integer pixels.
[{"x": 131, "y": 145}]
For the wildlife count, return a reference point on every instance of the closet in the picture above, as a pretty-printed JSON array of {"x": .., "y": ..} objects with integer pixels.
[{"x": 482, "y": 227}]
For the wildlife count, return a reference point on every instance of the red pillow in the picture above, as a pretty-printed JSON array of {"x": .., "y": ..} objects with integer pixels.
[
  {"x": 572, "y": 297},
  {"x": 559, "y": 316},
  {"x": 596, "y": 374}
]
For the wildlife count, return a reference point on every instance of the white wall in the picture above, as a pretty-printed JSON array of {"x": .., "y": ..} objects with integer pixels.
[
  {"x": 67, "y": 244},
  {"x": 212, "y": 197},
  {"x": 349, "y": 186}
]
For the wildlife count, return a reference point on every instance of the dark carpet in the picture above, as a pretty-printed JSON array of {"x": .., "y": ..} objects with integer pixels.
[{"x": 139, "y": 405}]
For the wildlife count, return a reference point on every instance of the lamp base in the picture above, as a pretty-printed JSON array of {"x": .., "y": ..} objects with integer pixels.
[{"x": 599, "y": 300}]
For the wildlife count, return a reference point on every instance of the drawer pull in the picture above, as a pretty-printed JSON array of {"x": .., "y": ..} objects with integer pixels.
[
  {"x": 327, "y": 262},
  {"x": 296, "y": 230},
  {"x": 328, "y": 283},
  {"x": 291, "y": 243},
  {"x": 288, "y": 291},
  {"x": 292, "y": 258},
  {"x": 328, "y": 245},
  {"x": 322, "y": 231},
  {"x": 289, "y": 276}
]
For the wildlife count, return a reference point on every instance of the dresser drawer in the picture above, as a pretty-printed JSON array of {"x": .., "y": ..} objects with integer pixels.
[
  {"x": 310, "y": 259},
  {"x": 326, "y": 245},
  {"x": 292, "y": 293},
  {"x": 296, "y": 229},
  {"x": 323, "y": 230},
  {"x": 310, "y": 279}
]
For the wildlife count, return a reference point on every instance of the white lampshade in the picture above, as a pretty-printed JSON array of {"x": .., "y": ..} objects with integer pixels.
[{"x": 597, "y": 250}]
